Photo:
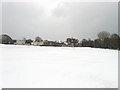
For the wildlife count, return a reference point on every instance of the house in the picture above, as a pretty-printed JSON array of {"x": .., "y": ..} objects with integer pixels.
[
  {"x": 36, "y": 43},
  {"x": 20, "y": 42},
  {"x": 53, "y": 43}
]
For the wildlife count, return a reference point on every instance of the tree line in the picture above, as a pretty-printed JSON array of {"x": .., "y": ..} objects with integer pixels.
[{"x": 104, "y": 40}]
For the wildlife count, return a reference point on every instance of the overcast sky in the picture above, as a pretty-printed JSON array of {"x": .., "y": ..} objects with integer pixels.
[{"x": 58, "y": 20}]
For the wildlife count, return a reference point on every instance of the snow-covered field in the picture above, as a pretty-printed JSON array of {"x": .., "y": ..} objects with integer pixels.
[{"x": 58, "y": 67}]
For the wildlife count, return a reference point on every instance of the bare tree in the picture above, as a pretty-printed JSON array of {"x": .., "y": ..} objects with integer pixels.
[
  {"x": 114, "y": 36},
  {"x": 102, "y": 35},
  {"x": 5, "y": 39},
  {"x": 72, "y": 41},
  {"x": 38, "y": 39},
  {"x": 114, "y": 41},
  {"x": 84, "y": 42}
]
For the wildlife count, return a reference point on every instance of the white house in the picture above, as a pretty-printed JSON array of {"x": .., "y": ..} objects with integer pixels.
[
  {"x": 20, "y": 42},
  {"x": 35, "y": 43}
]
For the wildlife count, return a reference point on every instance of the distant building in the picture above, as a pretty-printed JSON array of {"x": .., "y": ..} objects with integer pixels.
[
  {"x": 20, "y": 42},
  {"x": 72, "y": 42},
  {"x": 36, "y": 43},
  {"x": 53, "y": 43}
]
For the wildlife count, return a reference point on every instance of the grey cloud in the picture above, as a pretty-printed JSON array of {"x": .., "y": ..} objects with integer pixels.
[
  {"x": 80, "y": 20},
  {"x": 87, "y": 19}
]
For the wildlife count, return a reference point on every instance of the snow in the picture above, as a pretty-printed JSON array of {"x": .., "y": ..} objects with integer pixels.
[{"x": 58, "y": 67}]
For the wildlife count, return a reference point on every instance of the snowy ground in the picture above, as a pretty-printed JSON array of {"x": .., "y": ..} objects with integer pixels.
[{"x": 58, "y": 67}]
